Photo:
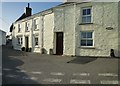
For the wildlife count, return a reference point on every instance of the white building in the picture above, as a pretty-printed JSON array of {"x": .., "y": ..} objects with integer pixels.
[
  {"x": 2, "y": 37},
  {"x": 78, "y": 29}
]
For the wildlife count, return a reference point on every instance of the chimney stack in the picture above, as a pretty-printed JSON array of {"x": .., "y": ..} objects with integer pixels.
[{"x": 28, "y": 11}]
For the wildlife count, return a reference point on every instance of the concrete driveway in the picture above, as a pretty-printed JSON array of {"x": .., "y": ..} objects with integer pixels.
[{"x": 31, "y": 68}]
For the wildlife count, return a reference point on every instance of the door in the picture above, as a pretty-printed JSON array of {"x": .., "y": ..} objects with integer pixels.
[
  {"x": 59, "y": 43},
  {"x": 26, "y": 43}
]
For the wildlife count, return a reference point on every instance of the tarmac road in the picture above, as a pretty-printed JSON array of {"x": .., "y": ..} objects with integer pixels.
[{"x": 31, "y": 68}]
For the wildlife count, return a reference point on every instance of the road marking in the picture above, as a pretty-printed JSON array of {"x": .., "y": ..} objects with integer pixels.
[
  {"x": 7, "y": 69},
  {"x": 32, "y": 78},
  {"x": 12, "y": 76},
  {"x": 36, "y": 72},
  {"x": 21, "y": 71},
  {"x": 109, "y": 82},
  {"x": 52, "y": 80},
  {"x": 107, "y": 74},
  {"x": 57, "y": 73},
  {"x": 81, "y": 74},
  {"x": 75, "y": 81}
]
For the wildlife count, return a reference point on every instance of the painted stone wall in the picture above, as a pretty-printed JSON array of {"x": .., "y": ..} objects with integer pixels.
[
  {"x": 69, "y": 30},
  {"x": 65, "y": 22},
  {"x": 30, "y": 34},
  {"x": 2, "y": 38},
  {"x": 103, "y": 15},
  {"x": 48, "y": 32},
  {"x": 36, "y": 33}
]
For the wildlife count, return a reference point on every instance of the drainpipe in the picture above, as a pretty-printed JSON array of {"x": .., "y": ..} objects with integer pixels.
[
  {"x": 31, "y": 33},
  {"x": 75, "y": 30},
  {"x": 42, "y": 36}
]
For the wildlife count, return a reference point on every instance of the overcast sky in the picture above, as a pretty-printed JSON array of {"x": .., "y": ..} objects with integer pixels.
[{"x": 13, "y": 10}]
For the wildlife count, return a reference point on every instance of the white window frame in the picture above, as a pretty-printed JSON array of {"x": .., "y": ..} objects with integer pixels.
[
  {"x": 27, "y": 26},
  {"x": 19, "y": 28},
  {"x": 86, "y": 16},
  {"x": 20, "y": 40},
  {"x": 35, "y": 41},
  {"x": 87, "y": 38},
  {"x": 35, "y": 23}
]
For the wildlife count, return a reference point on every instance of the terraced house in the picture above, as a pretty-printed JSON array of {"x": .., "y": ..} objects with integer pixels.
[{"x": 77, "y": 29}]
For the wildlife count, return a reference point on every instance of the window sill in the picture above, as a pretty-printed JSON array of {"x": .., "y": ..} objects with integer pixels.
[
  {"x": 36, "y": 46},
  {"x": 85, "y": 23},
  {"x": 36, "y": 29},
  {"x": 87, "y": 47}
]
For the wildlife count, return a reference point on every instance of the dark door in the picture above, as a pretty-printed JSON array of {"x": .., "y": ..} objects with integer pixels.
[
  {"x": 59, "y": 43},
  {"x": 26, "y": 43}
]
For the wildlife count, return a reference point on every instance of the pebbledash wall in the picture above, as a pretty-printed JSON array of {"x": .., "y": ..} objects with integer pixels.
[
  {"x": 67, "y": 18},
  {"x": 103, "y": 15}
]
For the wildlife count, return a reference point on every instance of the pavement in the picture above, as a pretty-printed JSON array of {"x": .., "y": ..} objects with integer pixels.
[{"x": 32, "y": 68}]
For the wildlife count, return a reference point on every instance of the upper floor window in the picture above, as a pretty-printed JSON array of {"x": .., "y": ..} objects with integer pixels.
[
  {"x": 19, "y": 27},
  {"x": 86, "y": 15},
  {"x": 35, "y": 24},
  {"x": 20, "y": 40},
  {"x": 86, "y": 38},
  {"x": 27, "y": 26}
]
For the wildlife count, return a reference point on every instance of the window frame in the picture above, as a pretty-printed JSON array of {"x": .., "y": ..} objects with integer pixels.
[
  {"x": 37, "y": 41},
  {"x": 20, "y": 40},
  {"x": 19, "y": 28},
  {"x": 27, "y": 26},
  {"x": 86, "y": 39},
  {"x": 35, "y": 23},
  {"x": 87, "y": 15}
]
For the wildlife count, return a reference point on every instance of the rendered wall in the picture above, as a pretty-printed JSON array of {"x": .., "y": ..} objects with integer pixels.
[
  {"x": 2, "y": 38},
  {"x": 65, "y": 22},
  {"x": 69, "y": 30},
  {"x": 48, "y": 32},
  {"x": 30, "y": 34},
  {"x": 103, "y": 15}
]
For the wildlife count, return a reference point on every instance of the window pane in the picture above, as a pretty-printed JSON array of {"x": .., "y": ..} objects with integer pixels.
[
  {"x": 34, "y": 21},
  {"x": 36, "y": 41},
  {"x": 83, "y": 34},
  {"x": 88, "y": 20},
  {"x": 89, "y": 34},
  {"x": 84, "y": 19},
  {"x": 83, "y": 42},
  {"x": 84, "y": 12},
  {"x": 88, "y": 11},
  {"x": 89, "y": 42}
]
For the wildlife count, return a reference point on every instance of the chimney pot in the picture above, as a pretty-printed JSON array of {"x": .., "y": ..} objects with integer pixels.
[
  {"x": 28, "y": 11},
  {"x": 28, "y": 5}
]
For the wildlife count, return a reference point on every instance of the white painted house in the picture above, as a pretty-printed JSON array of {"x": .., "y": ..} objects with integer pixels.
[
  {"x": 78, "y": 29},
  {"x": 2, "y": 37}
]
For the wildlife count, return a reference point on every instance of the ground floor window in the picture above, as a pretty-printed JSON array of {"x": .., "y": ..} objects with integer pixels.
[
  {"x": 36, "y": 41},
  {"x": 86, "y": 38},
  {"x": 20, "y": 40}
]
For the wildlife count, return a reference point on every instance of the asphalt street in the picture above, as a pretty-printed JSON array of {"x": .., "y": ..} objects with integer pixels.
[{"x": 32, "y": 68}]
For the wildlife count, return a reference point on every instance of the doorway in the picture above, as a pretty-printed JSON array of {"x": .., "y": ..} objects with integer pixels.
[
  {"x": 26, "y": 43},
  {"x": 59, "y": 43}
]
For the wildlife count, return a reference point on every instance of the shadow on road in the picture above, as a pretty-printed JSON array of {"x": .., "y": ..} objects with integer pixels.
[
  {"x": 82, "y": 60},
  {"x": 11, "y": 74}
]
